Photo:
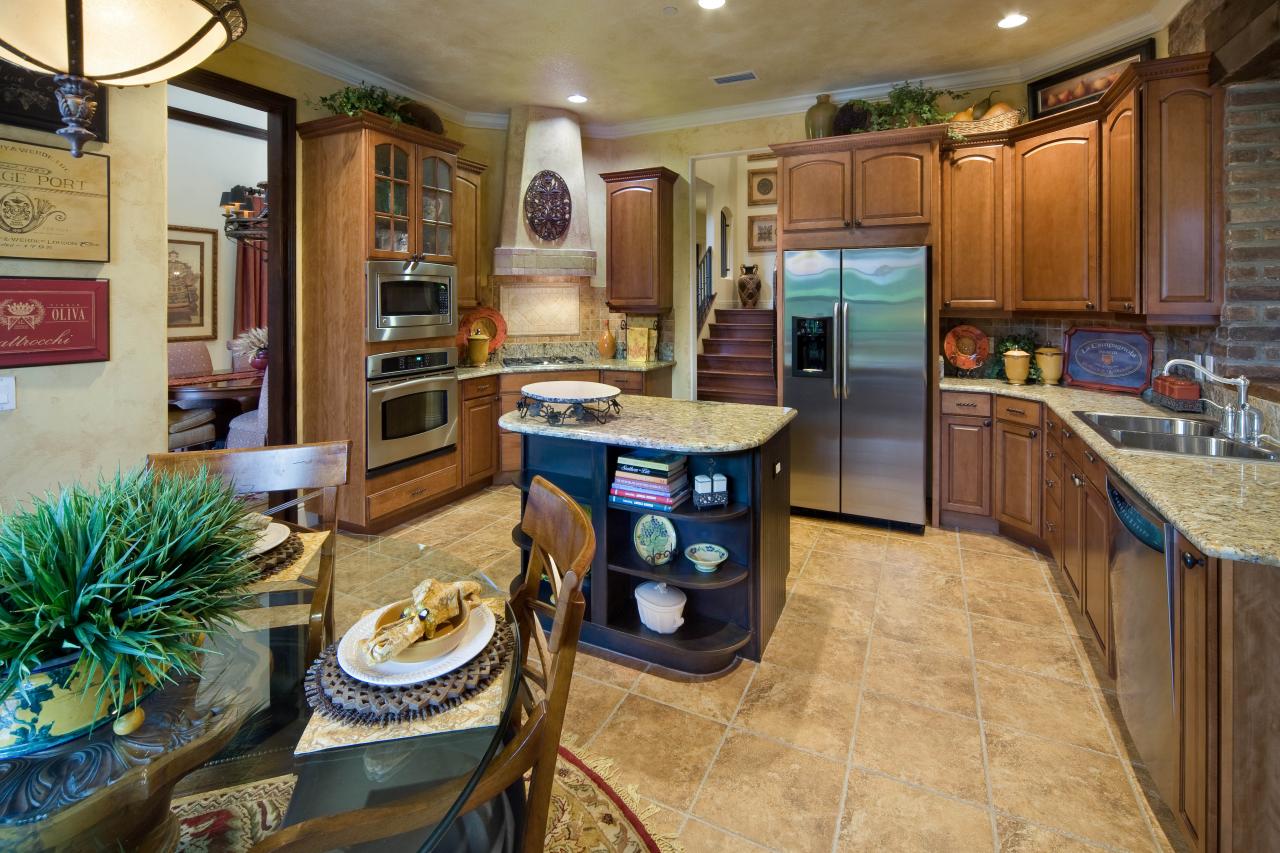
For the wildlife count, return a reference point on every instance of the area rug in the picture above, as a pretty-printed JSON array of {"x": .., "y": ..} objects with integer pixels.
[{"x": 587, "y": 814}]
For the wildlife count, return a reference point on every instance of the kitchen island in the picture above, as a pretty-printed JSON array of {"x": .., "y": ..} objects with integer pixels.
[{"x": 729, "y": 612}]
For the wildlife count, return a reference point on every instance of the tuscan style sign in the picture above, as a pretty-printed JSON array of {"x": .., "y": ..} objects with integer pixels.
[
  {"x": 53, "y": 206},
  {"x": 53, "y": 321}
]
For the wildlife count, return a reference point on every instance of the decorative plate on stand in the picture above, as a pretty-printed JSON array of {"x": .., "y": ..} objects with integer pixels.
[
  {"x": 563, "y": 402},
  {"x": 493, "y": 324},
  {"x": 966, "y": 347}
]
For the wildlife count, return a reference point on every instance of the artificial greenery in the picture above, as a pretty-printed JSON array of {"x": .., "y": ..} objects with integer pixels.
[
  {"x": 908, "y": 105},
  {"x": 353, "y": 100},
  {"x": 1024, "y": 342},
  {"x": 127, "y": 577}
]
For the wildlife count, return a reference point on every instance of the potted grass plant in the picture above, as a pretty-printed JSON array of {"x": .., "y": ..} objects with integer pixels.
[{"x": 106, "y": 594}]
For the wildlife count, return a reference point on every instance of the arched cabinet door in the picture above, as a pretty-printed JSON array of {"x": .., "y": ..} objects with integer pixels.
[
  {"x": 816, "y": 191},
  {"x": 436, "y": 213},
  {"x": 391, "y": 202},
  {"x": 891, "y": 186},
  {"x": 975, "y": 259},
  {"x": 1121, "y": 206},
  {"x": 638, "y": 211}
]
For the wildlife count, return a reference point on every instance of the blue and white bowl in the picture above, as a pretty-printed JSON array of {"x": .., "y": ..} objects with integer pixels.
[{"x": 705, "y": 556}]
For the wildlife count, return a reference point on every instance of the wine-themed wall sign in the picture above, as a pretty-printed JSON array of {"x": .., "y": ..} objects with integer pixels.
[
  {"x": 1103, "y": 359},
  {"x": 53, "y": 321},
  {"x": 52, "y": 206}
]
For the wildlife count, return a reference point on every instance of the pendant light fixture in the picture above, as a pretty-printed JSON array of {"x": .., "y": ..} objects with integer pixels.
[{"x": 87, "y": 43}]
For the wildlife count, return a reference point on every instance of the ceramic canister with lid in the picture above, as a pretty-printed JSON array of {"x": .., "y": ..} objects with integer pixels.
[{"x": 661, "y": 606}]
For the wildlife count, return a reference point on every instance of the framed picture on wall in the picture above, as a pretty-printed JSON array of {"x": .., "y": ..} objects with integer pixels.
[
  {"x": 27, "y": 99},
  {"x": 54, "y": 207},
  {"x": 1086, "y": 82},
  {"x": 193, "y": 283},
  {"x": 762, "y": 233},
  {"x": 54, "y": 321},
  {"x": 762, "y": 186}
]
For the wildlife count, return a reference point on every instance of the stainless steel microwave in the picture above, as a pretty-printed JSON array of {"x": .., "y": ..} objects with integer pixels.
[{"x": 410, "y": 300}]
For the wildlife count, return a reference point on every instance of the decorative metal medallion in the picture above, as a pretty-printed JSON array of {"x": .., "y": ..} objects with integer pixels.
[
  {"x": 599, "y": 411},
  {"x": 547, "y": 206}
]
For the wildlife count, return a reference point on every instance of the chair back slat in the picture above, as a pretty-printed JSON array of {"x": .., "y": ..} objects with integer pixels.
[{"x": 268, "y": 469}]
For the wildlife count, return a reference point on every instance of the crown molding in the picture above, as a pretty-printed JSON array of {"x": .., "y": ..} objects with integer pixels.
[{"x": 1141, "y": 26}]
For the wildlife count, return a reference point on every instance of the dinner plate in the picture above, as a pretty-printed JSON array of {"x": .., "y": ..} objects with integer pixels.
[
  {"x": 351, "y": 658},
  {"x": 271, "y": 536},
  {"x": 966, "y": 347}
]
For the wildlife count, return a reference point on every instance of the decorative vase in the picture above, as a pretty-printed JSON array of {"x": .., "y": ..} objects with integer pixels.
[
  {"x": 1017, "y": 364},
  {"x": 749, "y": 286},
  {"x": 1049, "y": 360},
  {"x": 259, "y": 359},
  {"x": 819, "y": 119},
  {"x": 607, "y": 343},
  {"x": 478, "y": 348}
]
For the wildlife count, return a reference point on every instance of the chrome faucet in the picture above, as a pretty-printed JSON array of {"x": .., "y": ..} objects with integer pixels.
[{"x": 1239, "y": 421}]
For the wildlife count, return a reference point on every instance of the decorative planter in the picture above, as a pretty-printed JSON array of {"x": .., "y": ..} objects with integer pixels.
[
  {"x": 1049, "y": 360},
  {"x": 259, "y": 360},
  {"x": 819, "y": 120},
  {"x": 53, "y": 706},
  {"x": 1017, "y": 365}
]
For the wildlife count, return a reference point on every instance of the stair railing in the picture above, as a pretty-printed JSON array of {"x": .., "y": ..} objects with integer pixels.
[{"x": 706, "y": 291}]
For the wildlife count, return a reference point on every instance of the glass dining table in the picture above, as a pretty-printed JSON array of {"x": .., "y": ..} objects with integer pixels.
[{"x": 235, "y": 728}]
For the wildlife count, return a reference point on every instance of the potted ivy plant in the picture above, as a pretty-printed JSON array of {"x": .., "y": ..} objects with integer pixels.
[{"x": 106, "y": 595}]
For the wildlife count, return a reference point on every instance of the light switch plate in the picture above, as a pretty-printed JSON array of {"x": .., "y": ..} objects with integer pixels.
[{"x": 8, "y": 393}]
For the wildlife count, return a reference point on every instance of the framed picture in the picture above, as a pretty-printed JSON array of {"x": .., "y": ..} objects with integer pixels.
[
  {"x": 54, "y": 207},
  {"x": 193, "y": 283},
  {"x": 762, "y": 233},
  {"x": 54, "y": 321},
  {"x": 27, "y": 99},
  {"x": 1084, "y": 83},
  {"x": 1103, "y": 359},
  {"x": 761, "y": 155},
  {"x": 762, "y": 186}
]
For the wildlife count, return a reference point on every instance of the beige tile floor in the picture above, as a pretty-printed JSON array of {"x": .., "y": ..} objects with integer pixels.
[{"x": 920, "y": 693}]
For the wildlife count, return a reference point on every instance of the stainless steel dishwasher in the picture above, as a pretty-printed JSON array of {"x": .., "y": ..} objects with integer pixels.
[{"x": 1143, "y": 622}]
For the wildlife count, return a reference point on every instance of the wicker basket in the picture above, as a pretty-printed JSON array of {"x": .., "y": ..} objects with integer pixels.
[{"x": 1004, "y": 121}]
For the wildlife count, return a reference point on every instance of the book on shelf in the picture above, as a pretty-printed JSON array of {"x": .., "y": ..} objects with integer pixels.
[
  {"x": 651, "y": 461},
  {"x": 633, "y": 503},
  {"x": 663, "y": 480},
  {"x": 668, "y": 500}
]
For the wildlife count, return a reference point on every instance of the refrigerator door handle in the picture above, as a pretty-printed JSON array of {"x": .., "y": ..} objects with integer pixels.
[
  {"x": 844, "y": 346},
  {"x": 837, "y": 348}
]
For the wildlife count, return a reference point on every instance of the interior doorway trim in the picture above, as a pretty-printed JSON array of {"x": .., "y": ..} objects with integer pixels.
[{"x": 282, "y": 231}]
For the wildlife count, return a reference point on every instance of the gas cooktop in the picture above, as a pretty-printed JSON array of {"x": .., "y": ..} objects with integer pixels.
[{"x": 541, "y": 359}]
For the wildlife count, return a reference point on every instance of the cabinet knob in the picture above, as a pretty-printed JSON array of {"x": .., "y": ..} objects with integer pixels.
[
  {"x": 1050, "y": 454},
  {"x": 946, "y": 303},
  {"x": 857, "y": 223},
  {"x": 847, "y": 223},
  {"x": 1049, "y": 484},
  {"x": 1050, "y": 525},
  {"x": 1090, "y": 456},
  {"x": 1077, "y": 481},
  {"x": 1128, "y": 306},
  {"x": 1066, "y": 433},
  {"x": 1035, "y": 433},
  {"x": 1089, "y": 305},
  {"x": 1191, "y": 560},
  {"x": 987, "y": 422}
]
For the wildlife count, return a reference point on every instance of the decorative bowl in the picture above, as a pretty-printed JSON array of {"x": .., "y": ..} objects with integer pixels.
[
  {"x": 705, "y": 556},
  {"x": 445, "y": 640}
]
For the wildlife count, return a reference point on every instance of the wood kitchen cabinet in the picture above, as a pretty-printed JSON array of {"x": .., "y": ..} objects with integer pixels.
[
  {"x": 638, "y": 222},
  {"x": 1055, "y": 220},
  {"x": 1095, "y": 518},
  {"x": 1072, "y": 523},
  {"x": 1121, "y": 206},
  {"x": 479, "y": 429},
  {"x": 893, "y": 185},
  {"x": 966, "y": 464},
  {"x": 815, "y": 191},
  {"x": 975, "y": 219},
  {"x": 410, "y": 188},
  {"x": 1016, "y": 479},
  {"x": 1195, "y": 680},
  {"x": 468, "y": 217}
]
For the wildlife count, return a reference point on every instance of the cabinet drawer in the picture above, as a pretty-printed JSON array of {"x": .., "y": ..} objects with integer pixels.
[
  {"x": 1052, "y": 476},
  {"x": 626, "y": 381},
  {"x": 415, "y": 491},
  {"x": 958, "y": 403},
  {"x": 1018, "y": 411},
  {"x": 1091, "y": 464},
  {"x": 485, "y": 386},
  {"x": 1052, "y": 425}
]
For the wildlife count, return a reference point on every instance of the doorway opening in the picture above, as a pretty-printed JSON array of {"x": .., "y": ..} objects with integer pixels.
[{"x": 231, "y": 287}]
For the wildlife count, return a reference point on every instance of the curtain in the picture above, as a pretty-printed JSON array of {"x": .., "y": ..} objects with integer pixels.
[{"x": 251, "y": 285}]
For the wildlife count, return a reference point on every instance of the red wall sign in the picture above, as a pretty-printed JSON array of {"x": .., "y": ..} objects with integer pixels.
[{"x": 53, "y": 321}]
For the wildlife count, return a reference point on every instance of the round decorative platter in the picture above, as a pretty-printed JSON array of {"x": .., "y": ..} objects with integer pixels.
[
  {"x": 493, "y": 324},
  {"x": 479, "y": 630},
  {"x": 564, "y": 402},
  {"x": 966, "y": 347},
  {"x": 654, "y": 538}
]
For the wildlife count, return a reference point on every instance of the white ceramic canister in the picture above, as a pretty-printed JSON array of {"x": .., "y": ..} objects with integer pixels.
[{"x": 661, "y": 606}]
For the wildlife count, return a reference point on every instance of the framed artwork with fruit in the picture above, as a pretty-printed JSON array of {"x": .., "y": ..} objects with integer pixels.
[{"x": 1084, "y": 83}]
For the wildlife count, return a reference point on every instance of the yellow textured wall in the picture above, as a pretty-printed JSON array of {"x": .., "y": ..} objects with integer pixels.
[{"x": 74, "y": 421}]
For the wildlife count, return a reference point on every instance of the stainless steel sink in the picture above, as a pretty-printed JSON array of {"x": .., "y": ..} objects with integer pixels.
[
  {"x": 1183, "y": 436},
  {"x": 1191, "y": 445},
  {"x": 1142, "y": 423}
]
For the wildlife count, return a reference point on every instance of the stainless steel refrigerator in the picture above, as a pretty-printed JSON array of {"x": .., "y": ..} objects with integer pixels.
[{"x": 855, "y": 358}]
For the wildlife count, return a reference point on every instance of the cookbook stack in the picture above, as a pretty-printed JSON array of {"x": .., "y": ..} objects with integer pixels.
[{"x": 651, "y": 480}]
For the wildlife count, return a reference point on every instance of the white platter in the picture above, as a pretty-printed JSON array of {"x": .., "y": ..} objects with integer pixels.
[
  {"x": 563, "y": 391},
  {"x": 480, "y": 628},
  {"x": 271, "y": 536}
]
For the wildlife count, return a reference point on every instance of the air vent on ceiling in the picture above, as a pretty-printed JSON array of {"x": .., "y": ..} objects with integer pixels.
[{"x": 740, "y": 77}]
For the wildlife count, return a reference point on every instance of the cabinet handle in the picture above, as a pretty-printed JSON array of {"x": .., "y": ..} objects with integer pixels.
[
  {"x": 847, "y": 223},
  {"x": 1090, "y": 456},
  {"x": 1035, "y": 433},
  {"x": 1066, "y": 433},
  {"x": 987, "y": 422},
  {"x": 1089, "y": 305},
  {"x": 1051, "y": 454},
  {"x": 1128, "y": 306},
  {"x": 1050, "y": 525},
  {"x": 966, "y": 405},
  {"x": 1011, "y": 410},
  {"x": 1078, "y": 482},
  {"x": 1049, "y": 484},
  {"x": 1191, "y": 560},
  {"x": 857, "y": 223}
]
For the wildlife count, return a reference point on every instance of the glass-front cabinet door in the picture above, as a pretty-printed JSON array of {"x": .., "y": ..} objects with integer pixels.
[
  {"x": 392, "y": 185},
  {"x": 435, "y": 175}
]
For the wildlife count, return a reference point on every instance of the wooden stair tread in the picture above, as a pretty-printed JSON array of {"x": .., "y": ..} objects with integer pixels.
[{"x": 702, "y": 371}]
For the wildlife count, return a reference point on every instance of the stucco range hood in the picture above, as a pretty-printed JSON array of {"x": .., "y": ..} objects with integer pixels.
[{"x": 543, "y": 138}]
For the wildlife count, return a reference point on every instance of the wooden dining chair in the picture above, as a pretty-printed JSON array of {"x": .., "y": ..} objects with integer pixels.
[
  {"x": 319, "y": 469},
  {"x": 564, "y": 545}
]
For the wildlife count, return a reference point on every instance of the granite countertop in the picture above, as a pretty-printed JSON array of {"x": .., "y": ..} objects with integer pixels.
[
  {"x": 682, "y": 426},
  {"x": 1227, "y": 508},
  {"x": 495, "y": 367}
]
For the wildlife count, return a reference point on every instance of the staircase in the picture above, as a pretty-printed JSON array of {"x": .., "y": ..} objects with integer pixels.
[{"x": 736, "y": 363}]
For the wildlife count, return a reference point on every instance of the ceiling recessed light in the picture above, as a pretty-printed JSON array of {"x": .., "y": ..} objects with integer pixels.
[
  {"x": 577, "y": 99},
  {"x": 1011, "y": 20},
  {"x": 711, "y": 4},
  {"x": 669, "y": 10}
]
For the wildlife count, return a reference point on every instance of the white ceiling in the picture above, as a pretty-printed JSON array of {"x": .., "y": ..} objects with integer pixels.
[{"x": 474, "y": 59}]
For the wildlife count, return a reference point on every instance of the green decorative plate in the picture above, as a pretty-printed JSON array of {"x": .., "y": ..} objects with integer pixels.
[{"x": 655, "y": 539}]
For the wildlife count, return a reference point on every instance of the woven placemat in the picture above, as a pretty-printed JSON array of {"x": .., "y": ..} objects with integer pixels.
[
  {"x": 279, "y": 557},
  {"x": 334, "y": 694}
]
